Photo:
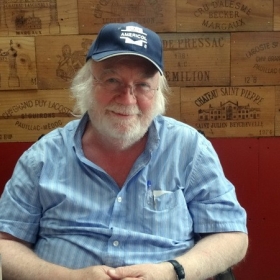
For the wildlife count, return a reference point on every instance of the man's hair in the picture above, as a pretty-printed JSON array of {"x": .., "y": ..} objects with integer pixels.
[{"x": 82, "y": 89}]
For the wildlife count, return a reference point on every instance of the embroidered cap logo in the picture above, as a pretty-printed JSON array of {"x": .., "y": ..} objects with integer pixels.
[
  {"x": 135, "y": 36},
  {"x": 127, "y": 39}
]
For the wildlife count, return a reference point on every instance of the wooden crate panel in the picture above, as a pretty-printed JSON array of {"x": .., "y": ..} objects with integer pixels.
[
  {"x": 173, "y": 108},
  {"x": 196, "y": 59},
  {"x": 17, "y": 63},
  {"x": 26, "y": 115},
  {"x": 277, "y": 112},
  {"x": 57, "y": 67},
  {"x": 38, "y": 17},
  {"x": 229, "y": 111},
  {"x": 224, "y": 16},
  {"x": 276, "y": 15},
  {"x": 255, "y": 58},
  {"x": 93, "y": 14}
]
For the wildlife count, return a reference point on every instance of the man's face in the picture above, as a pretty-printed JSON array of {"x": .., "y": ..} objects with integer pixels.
[{"x": 119, "y": 110}]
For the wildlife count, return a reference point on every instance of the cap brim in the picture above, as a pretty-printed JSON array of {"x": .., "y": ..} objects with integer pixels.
[{"x": 106, "y": 55}]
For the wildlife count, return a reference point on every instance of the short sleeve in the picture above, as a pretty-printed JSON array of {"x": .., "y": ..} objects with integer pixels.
[
  {"x": 20, "y": 209},
  {"x": 212, "y": 200}
]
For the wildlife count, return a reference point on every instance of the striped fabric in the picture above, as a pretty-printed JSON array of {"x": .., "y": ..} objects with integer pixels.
[{"x": 76, "y": 215}]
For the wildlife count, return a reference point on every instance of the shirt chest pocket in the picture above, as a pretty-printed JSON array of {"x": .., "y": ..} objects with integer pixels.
[
  {"x": 158, "y": 200},
  {"x": 166, "y": 214}
]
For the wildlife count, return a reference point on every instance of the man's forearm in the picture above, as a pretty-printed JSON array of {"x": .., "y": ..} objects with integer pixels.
[
  {"x": 211, "y": 255},
  {"x": 214, "y": 254},
  {"x": 20, "y": 262}
]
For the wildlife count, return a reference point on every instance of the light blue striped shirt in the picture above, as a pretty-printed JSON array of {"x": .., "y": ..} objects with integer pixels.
[{"x": 76, "y": 215}]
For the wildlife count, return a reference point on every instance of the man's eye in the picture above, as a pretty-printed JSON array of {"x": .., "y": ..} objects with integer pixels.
[
  {"x": 112, "y": 81},
  {"x": 143, "y": 86}
]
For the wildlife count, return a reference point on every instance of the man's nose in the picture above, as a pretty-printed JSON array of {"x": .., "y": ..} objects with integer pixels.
[{"x": 126, "y": 96}]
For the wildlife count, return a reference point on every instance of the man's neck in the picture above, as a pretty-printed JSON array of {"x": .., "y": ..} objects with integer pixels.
[{"x": 110, "y": 155}]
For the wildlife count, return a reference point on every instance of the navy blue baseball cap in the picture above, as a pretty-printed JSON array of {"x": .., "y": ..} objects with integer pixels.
[{"x": 129, "y": 38}]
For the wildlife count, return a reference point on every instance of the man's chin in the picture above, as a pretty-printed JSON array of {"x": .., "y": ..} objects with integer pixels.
[
  {"x": 125, "y": 138},
  {"x": 124, "y": 135},
  {"x": 121, "y": 133}
]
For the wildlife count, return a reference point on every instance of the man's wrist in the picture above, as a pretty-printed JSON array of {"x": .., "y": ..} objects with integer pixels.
[{"x": 179, "y": 269}]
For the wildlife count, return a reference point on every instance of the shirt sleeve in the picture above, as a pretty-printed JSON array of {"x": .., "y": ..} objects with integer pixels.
[
  {"x": 20, "y": 209},
  {"x": 212, "y": 198}
]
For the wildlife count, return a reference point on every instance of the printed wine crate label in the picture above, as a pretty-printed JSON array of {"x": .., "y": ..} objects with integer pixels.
[
  {"x": 229, "y": 111},
  {"x": 224, "y": 16},
  {"x": 17, "y": 63},
  {"x": 66, "y": 55},
  {"x": 93, "y": 14},
  {"x": 27, "y": 115},
  {"x": 196, "y": 59},
  {"x": 38, "y": 17},
  {"x": 255, "y": 58}
]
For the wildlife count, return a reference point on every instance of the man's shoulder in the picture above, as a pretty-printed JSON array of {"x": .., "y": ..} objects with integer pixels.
[
  {"x": 164, "y": 122},
  {"x": 66, "y": 130},
  {"x": 60, "y": 137},
  {"x": 176, "y": 133}
]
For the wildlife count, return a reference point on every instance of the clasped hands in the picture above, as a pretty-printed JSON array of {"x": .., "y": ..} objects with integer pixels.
[{"x": 162, "y": 271}]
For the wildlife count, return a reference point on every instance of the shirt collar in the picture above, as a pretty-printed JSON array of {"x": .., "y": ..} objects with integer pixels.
[
  {"x": 77, "y": 144},
  {"x": 152, "y": 143}
]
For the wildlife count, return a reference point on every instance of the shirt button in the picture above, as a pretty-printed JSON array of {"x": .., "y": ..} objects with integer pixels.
[
  {"x": 116, "y": 243},
  {"x": 119, "y": 199}
]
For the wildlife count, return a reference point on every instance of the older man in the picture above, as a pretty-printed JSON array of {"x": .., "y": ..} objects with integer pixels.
[{"x": 123, "y": 192}]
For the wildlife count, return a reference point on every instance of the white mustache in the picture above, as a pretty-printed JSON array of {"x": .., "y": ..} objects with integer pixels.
[{"x": 125, "y": 110}]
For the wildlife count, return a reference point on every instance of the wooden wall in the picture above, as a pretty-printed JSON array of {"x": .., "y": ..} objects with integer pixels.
[{"x": 222, "y": 61}]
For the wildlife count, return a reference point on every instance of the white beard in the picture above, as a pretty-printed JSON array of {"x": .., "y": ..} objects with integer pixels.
[{"x": 121, "y": 132}]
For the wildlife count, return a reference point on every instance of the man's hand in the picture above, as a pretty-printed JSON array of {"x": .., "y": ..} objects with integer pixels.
[
  {"x": 162, "y": 271},
  {"x": 99, "y": 272}
]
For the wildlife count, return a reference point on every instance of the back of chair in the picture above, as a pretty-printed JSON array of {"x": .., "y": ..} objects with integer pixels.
[{"x": 226, "y": 275}]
